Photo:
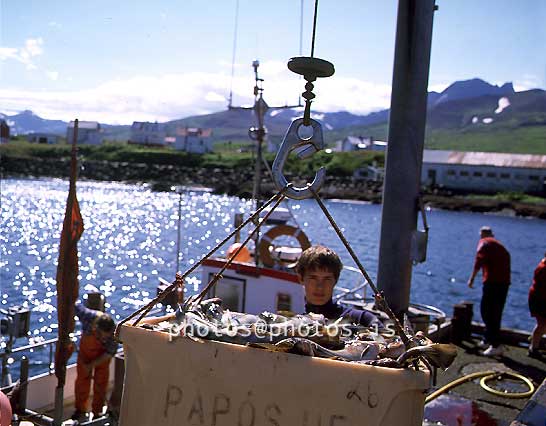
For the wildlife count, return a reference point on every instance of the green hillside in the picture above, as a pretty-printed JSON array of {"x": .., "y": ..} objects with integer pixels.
[{"x": 459, "y": 125}]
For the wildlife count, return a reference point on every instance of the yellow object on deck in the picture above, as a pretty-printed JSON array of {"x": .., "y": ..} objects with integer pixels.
[{"x": 179, "y": 381}]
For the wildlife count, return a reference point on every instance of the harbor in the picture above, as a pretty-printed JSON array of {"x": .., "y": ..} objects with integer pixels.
[{"x": 282, "y": 304}]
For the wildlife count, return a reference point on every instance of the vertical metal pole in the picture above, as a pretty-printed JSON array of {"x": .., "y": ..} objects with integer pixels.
[
  {"x": 257, "y": 190},
  {"x": 59, "y": 406},
  {"x": 6, "y": 376},
  {"x": 405, "y": 149},
  {"x": 179, "y": 191},
  {"x": 23, "y": 379}
]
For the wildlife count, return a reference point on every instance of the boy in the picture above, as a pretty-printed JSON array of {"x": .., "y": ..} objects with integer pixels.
[
  {"x": 97, "y": 347},
  {"x": 318, "y": 270}
]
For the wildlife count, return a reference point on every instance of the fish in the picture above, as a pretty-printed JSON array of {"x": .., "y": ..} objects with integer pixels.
[
  {"x": 353, "y": 351},
  {"x": 440, "y": 355}
]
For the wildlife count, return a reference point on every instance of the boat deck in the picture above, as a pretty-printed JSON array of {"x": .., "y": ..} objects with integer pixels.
[{"x": 469, "y": 403}]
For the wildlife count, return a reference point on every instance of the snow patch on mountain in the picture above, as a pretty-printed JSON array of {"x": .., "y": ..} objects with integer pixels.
[{"x": 504, "y": 103}]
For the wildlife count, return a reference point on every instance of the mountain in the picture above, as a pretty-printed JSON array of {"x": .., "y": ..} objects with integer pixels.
[
  {"x": 28, "y": 122},
  {"x": 468, "y": 89},
  {"x": 464, "y": 106}
]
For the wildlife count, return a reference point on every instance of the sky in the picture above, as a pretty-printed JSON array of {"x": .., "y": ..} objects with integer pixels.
[{"x": 140, "y": 60}]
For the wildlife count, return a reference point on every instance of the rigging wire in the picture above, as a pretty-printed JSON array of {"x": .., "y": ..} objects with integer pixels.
[
  {"x": 301, "y": 28},
  {"x": 314, "y": 30},
  {"x": 234, "y": 51},
  {"x": 301, "y": 43}
]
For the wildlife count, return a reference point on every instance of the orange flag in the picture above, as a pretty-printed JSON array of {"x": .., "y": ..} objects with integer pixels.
[{"x": 67, "y": 270}]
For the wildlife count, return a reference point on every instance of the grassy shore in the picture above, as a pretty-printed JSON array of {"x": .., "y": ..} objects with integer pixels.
[{"x": 231, "y": 172}]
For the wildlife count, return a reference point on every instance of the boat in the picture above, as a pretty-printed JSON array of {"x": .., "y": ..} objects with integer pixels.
[{"x": 185, "y": 381}]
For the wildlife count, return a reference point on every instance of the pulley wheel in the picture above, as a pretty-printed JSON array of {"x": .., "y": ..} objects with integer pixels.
[{"x": 311, "y": 67}]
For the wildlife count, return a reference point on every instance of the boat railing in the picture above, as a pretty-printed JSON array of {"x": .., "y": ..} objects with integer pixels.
[{"x": 30, "y": 348}]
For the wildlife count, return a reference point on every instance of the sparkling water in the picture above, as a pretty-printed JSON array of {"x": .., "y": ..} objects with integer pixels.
[{"x": 130, "y": 240}]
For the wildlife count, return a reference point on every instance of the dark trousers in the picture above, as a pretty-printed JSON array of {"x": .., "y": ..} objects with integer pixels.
[{"x": 492, "y": 305}]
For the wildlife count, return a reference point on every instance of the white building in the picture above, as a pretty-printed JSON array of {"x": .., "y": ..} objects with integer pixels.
[
  {"x": 353, "y": 143},
  {"x": 46, "y": 138},
  {"x": 359, "y": 143},
  {"x": 146, "y": 133},
  {"x": 194, "y": 140},
  {"x": 370, "y": 172},
  {"x": 484, "y": 171},
  {"x": 89, "y": 132}
]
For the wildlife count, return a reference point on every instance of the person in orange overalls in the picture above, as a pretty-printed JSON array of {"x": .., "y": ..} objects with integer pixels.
[{"x": 97, "y": 347}]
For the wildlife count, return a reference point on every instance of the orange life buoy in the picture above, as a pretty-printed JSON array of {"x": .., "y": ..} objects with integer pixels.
[{"x": 267, "y": 240}]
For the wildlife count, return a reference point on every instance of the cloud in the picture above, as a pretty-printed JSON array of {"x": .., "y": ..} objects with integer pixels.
[
  {"x": 168, "y": 97},
  {"x": 52, "y": 75},
  {"x": 527, "y": 82},
  {"x": 25, "y": 54}
]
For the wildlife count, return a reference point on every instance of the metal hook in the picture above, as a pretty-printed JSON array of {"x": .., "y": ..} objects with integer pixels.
[{"x": 308, "y": 146}]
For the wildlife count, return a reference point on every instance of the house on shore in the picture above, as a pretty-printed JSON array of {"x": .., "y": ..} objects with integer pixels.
[
  {"x": 360, "y": 143},
  {"x": 486, "y": 172},
  {"x": 193, "y": 139},
  {"x": 147, "y": 133},
  {"x": 89, "y": 132},
  {"x": 4, "y": 131},
  {"x": 45, "y": 138}
]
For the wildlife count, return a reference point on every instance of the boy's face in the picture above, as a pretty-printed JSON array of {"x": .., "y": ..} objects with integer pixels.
[{"x": 319, "y": 285}]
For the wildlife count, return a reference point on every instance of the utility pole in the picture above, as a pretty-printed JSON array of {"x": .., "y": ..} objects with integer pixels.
[{"x": 405, "y": 150}]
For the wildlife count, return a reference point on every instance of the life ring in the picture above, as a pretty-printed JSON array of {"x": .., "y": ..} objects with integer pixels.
[{"x": 267, "y": 240}]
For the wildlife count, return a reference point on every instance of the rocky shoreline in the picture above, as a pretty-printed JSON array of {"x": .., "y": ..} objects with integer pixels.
[{"x": 239, "y": 183}]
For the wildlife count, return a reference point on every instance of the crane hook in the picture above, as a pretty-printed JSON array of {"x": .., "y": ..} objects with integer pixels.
[{"x": 305, "y": 146}]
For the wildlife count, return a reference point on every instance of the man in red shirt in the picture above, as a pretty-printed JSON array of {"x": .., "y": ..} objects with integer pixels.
[
  {"x": 494, "y": 261},
  {"x": 537, "y": 306}
]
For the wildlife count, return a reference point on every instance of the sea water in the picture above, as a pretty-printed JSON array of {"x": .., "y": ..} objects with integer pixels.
[{"x": 130, "y": 240}]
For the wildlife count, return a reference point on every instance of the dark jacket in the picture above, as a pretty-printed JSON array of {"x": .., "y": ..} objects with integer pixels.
[{"x": 334, "y": 311}]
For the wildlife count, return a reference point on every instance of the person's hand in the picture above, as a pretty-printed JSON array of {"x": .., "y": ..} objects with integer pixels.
[{"x": 471, "y": 283}]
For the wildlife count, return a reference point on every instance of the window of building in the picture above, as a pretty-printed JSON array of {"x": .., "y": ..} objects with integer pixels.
[
  {"x": 533, "y": 177},
  {"x": 451, "y": 172},
  {"x": 505, "y": 175},
  {"x": 463, "y": 173},
  {"x": 491, "y": 175},
  {"x": 519, "y": 177},
  {"x": 477, "y": 174}
]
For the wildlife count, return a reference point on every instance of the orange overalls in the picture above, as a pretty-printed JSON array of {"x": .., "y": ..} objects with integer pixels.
[{"x": 91, "y": 348}]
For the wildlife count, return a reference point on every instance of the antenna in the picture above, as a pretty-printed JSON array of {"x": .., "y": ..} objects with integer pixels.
[{"x": 233, "y": 52}]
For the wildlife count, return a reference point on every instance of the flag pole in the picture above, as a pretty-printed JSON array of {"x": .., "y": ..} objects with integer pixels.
[{"x": 67, "y": 281}]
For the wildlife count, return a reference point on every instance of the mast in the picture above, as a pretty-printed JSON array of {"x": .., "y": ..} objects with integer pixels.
[
  {"x": 258, "y": 133},
  {"x": 405, "y": 149}
]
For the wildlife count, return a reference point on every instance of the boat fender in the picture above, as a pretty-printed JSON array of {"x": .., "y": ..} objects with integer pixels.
[
  {"x": 5, "y": 410},
  {"x": 267, "y": 240},
  {"x": 242, "y": 256}
]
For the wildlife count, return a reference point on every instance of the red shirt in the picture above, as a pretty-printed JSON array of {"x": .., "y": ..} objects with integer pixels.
[
  {"x": 494, "y": 261},
  {"x": 538, "y": 289}
]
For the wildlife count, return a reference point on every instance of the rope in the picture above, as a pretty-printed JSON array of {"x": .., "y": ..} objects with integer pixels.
[
  {"x": 485, "y": 375},
  {"x": 380, "y": 300},
  {"x": 143, "y": 311},
  {"x": 314, "y": 30}
]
